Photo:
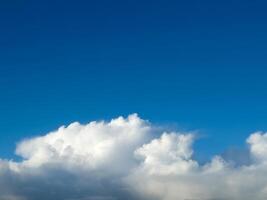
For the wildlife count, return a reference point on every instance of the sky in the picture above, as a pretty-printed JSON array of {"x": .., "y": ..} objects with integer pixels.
[
  {"x": 196, "y": 65},
  {"x": 189, "y": 66}
]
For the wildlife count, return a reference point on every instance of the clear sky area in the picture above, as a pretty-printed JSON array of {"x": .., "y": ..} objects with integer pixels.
[{"x": 187, "y": 65}]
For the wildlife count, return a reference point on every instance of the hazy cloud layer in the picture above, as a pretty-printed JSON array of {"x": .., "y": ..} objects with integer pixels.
[{"x": 124, "y": 159}]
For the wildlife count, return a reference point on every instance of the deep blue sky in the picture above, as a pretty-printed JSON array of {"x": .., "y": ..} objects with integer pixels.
[{"x": 197, "y": 65}]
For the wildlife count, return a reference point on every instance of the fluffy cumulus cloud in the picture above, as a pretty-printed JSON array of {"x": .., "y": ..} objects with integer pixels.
[{"x": 126, "y": 158}]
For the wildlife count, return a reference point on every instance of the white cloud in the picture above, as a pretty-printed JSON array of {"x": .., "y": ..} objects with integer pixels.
[
  {"x": 124, "y": 159},
  {"x": 92, "y": 146},
  {"x": 170, "y": 154},
  {"x": 258, "y": 146},
  {"x": 169, "y": 173},
  {"x": 85, "y": 159}
]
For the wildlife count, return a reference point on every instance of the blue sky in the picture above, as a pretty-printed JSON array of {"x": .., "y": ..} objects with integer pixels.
[{"x": 194, "y": 65}]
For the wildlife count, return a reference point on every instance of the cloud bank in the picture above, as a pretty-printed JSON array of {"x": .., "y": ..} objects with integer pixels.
[{"x": 126, "y": 158}]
